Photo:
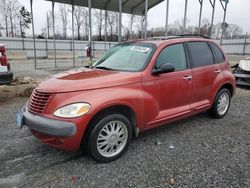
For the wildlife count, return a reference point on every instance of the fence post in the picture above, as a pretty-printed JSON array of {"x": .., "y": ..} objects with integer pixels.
[
  {"x": 245, "y": 43},
  {"x": 93, "y": 51},
  {"x": 46, "y": 46},
  {"x": 23, "y": 43}
]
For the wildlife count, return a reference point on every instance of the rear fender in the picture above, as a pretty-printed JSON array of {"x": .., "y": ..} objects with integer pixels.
[{"x": 225, "y": 77}]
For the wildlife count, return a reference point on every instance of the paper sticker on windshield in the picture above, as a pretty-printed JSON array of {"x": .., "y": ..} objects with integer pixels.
[{"x": 140, "y": 49}]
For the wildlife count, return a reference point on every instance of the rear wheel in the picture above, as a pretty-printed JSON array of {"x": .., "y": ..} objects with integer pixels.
[
  {"x": 110, "y": 138},
  {"x": 221, "y": 104}
]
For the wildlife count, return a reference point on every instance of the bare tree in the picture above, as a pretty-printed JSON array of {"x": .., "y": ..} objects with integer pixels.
[
  {"x": 205, "y": 26},
  {"x": 127, "y": 28},
  {"x": 86, "y": 26},
  {"x": 4, "y": 14},
  {"x": 233, "y": 31},
  {"x": 80, "y": 15},
  {"x": 138, "y": 20},
  {"x": 24, "y": 20},
  {"x": 111, "y": 19},
  {"x": 48, "y": 26},
  {"x": 99, "y": 15},
  {"x": 13, "y": 7},
  {"x": 63, "y": 12},
  {"x": 1, "y": 28}
]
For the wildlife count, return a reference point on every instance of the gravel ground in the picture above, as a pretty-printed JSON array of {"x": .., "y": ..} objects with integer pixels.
[
  {"x": 195, "y": 152},
  {"x": 45, "y": 68}
]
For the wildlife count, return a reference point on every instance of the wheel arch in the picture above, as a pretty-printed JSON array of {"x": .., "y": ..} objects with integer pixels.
[
  {"x": 227, "y": 86},
  {"x": 121, "y": 109}
]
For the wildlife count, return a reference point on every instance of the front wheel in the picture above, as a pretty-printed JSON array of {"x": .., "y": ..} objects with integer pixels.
[
  {"x": 221, "y": 104},
  {"x": 110, "y": 138}
]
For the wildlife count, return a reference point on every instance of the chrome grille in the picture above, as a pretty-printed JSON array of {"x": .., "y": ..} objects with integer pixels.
[{"x": 38, "y": 102}]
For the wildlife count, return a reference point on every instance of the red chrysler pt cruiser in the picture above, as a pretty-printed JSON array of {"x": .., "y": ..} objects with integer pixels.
[{"x": 135, "y": 86}]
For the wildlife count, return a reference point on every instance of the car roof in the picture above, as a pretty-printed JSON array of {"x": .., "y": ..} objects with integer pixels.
[{"x": 171, "y": 39}]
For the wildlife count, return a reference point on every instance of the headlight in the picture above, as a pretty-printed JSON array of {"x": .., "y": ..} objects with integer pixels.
[{"x": 72, "y": 110}]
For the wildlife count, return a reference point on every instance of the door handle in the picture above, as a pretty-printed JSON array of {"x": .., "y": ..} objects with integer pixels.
[
  {"x": 217, "y": 71},
  {"x": 187, "y": 78}
]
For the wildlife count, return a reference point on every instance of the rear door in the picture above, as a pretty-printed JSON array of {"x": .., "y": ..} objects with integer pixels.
[{"x": 204, "y": 72}]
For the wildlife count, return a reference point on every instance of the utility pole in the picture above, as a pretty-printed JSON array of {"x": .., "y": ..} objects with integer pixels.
[{"x": 224, "y": 18}]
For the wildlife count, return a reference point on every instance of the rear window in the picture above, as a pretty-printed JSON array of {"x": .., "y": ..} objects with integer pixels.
[
  {"x": 201, "y": 54},
  {"x": 219, "y": 57}
]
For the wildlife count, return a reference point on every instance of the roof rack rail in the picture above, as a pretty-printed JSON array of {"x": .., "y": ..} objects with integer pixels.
[
  {"x": 178, "y": 36},
  {"x": 195, "y": 35},
  {"x": 157, "y": 38}
]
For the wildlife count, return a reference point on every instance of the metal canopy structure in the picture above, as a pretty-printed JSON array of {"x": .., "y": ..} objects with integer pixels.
[
  {"x": 136, "y": 7},
  {"x": 133, "y": 7}
]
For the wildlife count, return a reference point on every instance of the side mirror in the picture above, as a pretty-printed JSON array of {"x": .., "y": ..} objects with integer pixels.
[{"x": 164, "y": 68}]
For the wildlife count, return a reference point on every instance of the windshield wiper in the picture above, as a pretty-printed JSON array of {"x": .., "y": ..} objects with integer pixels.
[{"x": 103, "y": 67}]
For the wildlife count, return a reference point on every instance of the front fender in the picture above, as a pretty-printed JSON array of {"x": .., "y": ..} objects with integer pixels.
[{"x": 100, "y": 99}]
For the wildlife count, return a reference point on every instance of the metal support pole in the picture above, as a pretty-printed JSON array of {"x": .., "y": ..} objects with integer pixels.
[
  {"x": 185, "y": 17},
  {"x": 245, "y": 43},
  {"x": 33, "y": 31},
  {"x": 90, "y": 30},
  {"x": 201, "y": 5},
  {"x": 167, "y": 13},
  {"x": 212, "y": 19},
  {"x": 142, "y": 26},
  {"x": 120, "y": 22},
  {"x": 146, "y": 19},
  {"x": 48, "y": 25},
  {"x": 73, "y": 32},
  {"x": 46, "y": 47},
  {"x": 105, "y": 29},
  {"x": 21, "y": 30},
  {"x": 224, "y": 19},
  {"x": 131, "y": 26},
  {"x": 54, "y": 37}
]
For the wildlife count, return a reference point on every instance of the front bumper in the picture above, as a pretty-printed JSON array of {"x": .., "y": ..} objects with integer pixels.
[
  {"x": 47, "y": 126},
  {"x": 6, "y": 77}
]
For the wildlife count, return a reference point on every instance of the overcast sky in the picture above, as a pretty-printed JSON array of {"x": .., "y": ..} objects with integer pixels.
[{"x": 238, "y": 12}]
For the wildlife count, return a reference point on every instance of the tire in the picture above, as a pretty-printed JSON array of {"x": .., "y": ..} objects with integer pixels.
[
  {"x": 221, "y": 104},
  {"x": 110, "y": 138}
]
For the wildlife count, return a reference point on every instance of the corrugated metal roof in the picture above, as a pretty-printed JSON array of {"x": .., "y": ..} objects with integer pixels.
[{"x": 136, "y": 7}]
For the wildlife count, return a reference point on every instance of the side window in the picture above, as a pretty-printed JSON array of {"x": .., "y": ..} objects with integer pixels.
[
  {"x": 219, "y": 57},
  {"x": 175, "y": 55},
  {"x": 201, "y": 54}
]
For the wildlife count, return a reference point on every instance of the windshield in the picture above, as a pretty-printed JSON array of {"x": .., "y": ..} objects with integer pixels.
[{"x": 126, "y": 57}]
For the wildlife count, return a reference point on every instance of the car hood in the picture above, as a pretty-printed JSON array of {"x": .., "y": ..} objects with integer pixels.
[{"x": 87, "y": 79}]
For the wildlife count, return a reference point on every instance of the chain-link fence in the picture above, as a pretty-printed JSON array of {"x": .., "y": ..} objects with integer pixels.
[
  {"x": 21, "y": 49},
  {"x": 237, "y": 46}
]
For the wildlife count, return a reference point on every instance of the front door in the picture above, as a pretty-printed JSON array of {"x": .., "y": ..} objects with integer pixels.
[{"x": 168, "y": 95}]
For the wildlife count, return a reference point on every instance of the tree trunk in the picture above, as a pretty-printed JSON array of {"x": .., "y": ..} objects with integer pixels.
[
  {"x": 100, "y": 34},
  {"x": 11, "y": 26},
  {"x": 78, "y": 32},
  {"x": 111, "y": 32},
  {"x": 6, "y": 25}
]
